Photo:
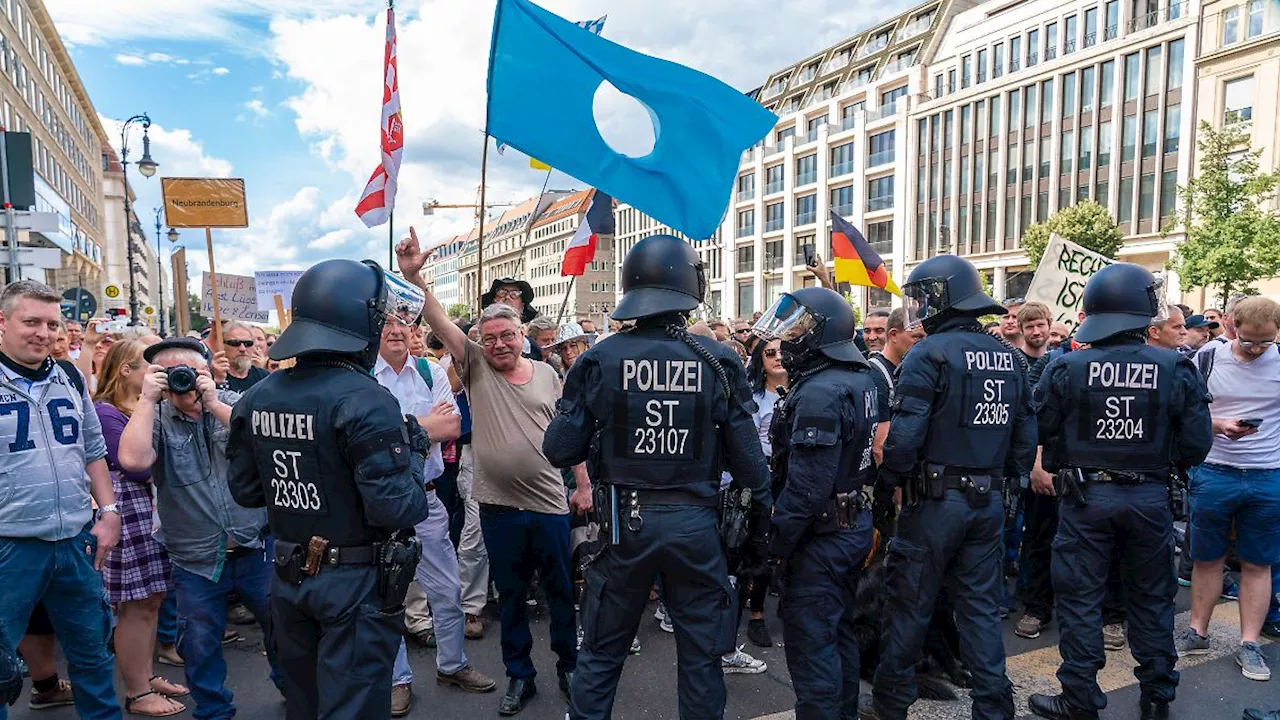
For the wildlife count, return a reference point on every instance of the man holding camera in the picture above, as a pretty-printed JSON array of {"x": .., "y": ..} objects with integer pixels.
[{"x": 179, "y": 432}]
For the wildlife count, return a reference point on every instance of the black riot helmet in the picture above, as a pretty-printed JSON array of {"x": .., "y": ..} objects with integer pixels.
[
  {"x": 944, "y": 287},
  {"x": 340, "y": 306},
  {"x": 661, "y": 274},
  {"x": 1118, "y": 298},
  {"x": 811, "y": 322}
]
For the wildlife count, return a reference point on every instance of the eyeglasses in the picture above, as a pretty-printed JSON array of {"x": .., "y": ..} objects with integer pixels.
[
  {"x": 508, "y": 292},
  {"x": 238, "y": 343},
  {"x": 1015, "y": 301},
  {"x": 1251, "y": 344},
  {"x": 772, "y": 352},
  {"x": 506, "y": 337}
]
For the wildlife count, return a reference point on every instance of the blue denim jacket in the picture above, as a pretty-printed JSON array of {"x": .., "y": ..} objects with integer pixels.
[{"x": 198, "y": 516}]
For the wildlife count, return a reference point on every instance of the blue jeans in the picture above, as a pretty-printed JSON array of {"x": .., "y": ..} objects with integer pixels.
[
  {"x": 61, "y": 575},
  {"x": 167, "y": 623},
  {"x": 202, "y": 604},
  {"x": 520, "y": 541}
]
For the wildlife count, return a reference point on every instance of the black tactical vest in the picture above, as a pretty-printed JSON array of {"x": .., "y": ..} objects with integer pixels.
[
  {"x": 1116, "y": 414},
  {"x": 308, "y": 481},
  {"x": 658, "y": 400},
  {"x": 972, "y": 422}
]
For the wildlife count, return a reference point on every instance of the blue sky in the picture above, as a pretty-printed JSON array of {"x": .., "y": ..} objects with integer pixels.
[{"x": 286, "y": 94}]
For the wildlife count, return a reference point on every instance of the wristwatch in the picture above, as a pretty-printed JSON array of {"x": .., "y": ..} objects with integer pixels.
[{"x": 108, "y": 508}]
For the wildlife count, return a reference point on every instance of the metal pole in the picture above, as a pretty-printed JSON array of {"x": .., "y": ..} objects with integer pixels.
[
  {"x": 484, "y": 164},
  {"x": 159, "y": 274},
  {"x": 128, "y": 227},
  {"x": 10, "y": 231},
  {"x": 528, "y": 230},
  {"x": 391, "y": 241},
  {"x": 565, "y": 304}
]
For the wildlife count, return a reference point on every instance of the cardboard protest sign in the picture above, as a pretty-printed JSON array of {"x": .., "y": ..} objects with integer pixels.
[
  {"x": 204, "y": 202},
  {"x": 1059, "y": 281},
  {"x": 270, "y": 283},
  {"x": 237, "y": 298}
]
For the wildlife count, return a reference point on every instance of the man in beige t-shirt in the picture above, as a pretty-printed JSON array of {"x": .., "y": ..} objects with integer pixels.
[{"x": 523, "y": 512}]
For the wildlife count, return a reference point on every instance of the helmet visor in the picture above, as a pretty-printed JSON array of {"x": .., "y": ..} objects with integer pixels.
[
  {"x": 925, "y": 299},
  {"x": 786, "y": 319},
  {"x": 400, "y": 299}
]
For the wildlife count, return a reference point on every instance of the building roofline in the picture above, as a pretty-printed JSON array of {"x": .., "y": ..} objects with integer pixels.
[{"x": 63, "y": 58}]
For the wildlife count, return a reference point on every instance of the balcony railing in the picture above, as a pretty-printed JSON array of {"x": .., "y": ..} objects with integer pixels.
[
  {"x": 774, "y": 224},
  {"x": 772, "y": 261},
  {"x": 806, "y": 218},
  {"x": 885, "y": 111},
  {"x": 746, "y": 230},
  {"x": 774, "y": 187},
  {"x": 1032, "y": 58},
  {"x": 803, "y": 77},
  {"x": 822, "y": 95},
  {"x": 749, "y": 155},
  {"x": 773, "y": 90},
  {"x": 849, "y": 122},
  {"x": 876, "y": 159},
  {"x": 916, "y": 28},
  {"x": 842, "y": 168},
  {"x": 1111, "y": 33},
  {"x": 838, "y": 62},
  {"x": 879, "y": 203},
  {"x": 807, "y": 178},
  {"x": 747, "y": 195},
  {"x": 883, "y": 247},
  {"x": 1015, "y": 66},
  {"x": 1069, "y": 46},
  {"x": 981, "y": 77},
  {"x": 1050, "y": 53},
  {"x": 873, "y": 47}
]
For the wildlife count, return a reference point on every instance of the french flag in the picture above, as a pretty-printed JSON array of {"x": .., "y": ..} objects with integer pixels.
[{"x": 582, "y": 248}]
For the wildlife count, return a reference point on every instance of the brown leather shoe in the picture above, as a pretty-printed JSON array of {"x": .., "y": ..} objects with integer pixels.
[
  {"x": 474, "y": 629},
  {"x": 401, "y": 699},
  {"x": 469, "y": 679}
]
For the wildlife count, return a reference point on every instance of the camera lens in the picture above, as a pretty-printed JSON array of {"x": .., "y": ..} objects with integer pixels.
[{"x": 182, "y": 379}]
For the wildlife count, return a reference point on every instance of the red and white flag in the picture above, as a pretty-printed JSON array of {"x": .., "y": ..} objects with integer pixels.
[
  {"x": 581, "y": 250},
  {"x": 379, "y": 196}
]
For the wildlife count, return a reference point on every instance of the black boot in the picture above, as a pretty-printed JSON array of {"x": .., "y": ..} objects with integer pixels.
[
  {"x": 519, "y": 691},
  {"x": 1154, "y": 710},
  {"x": 1056, "y": 707}
]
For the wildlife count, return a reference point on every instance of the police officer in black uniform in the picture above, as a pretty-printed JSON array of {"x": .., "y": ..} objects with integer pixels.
[
  {"x": 822, "y": 530},
  {"x": 324, "y": 447},
  {"x": 1115, "y": 418},
  {"x": 657, "y": 414},
  {"x": 962, "y": 406}
]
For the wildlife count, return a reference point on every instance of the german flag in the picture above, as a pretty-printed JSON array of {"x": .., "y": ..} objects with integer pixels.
[{"x": 856, "y": 262}]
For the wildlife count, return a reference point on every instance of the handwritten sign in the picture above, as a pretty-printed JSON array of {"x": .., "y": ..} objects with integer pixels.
[
  {"x": 237, "y": 298},
  {"x": 1059, "y": 281},
  {"x": 275, "y": 282},
  {"x": 204, "y": 202}
]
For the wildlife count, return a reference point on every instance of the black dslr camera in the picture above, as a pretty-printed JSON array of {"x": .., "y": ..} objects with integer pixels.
[{"x": 182, "y": 378}]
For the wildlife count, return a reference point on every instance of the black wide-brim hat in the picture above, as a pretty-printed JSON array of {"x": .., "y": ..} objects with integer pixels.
[{"x": 526, "y": 291}]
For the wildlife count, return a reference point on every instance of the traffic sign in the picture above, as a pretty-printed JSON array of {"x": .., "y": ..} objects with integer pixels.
[
  {"x": 112, "y": 291},
  {"x": 78, "y": 304},
  {"x": 149, "y": 310}
]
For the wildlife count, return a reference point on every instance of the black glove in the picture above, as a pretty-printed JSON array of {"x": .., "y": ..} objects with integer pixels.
[{"x": 10, "y": 677}]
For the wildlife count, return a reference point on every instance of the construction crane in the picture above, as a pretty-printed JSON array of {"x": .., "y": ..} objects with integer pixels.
[{"x": 431, "y": 205}]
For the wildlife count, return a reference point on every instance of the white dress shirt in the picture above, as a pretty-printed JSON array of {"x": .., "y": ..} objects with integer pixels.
[{"x": 417, "y": 399}]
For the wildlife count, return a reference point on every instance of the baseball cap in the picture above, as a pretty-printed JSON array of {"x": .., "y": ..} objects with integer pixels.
[{"x": 1198, "y": 321}]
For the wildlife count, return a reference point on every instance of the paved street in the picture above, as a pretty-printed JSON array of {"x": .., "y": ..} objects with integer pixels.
[{"x": 1211, "y": 687}]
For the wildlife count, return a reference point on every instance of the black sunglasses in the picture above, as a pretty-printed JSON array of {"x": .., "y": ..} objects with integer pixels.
[{"x": 238, "y": 343}]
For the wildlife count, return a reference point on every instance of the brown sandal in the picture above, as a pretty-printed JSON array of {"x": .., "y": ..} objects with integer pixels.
[
  {"x": 130, "y": 700},
  {"x": 183, "y": 693}
]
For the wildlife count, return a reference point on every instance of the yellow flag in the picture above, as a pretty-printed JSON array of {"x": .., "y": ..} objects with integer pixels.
[{"x": 538, "y": 165}]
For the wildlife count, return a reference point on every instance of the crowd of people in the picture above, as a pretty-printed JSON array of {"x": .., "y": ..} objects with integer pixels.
[{"x": 128, "y": 498}]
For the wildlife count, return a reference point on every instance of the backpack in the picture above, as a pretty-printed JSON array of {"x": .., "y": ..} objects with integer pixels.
[
  {"x": 1204, "y": 361},
  {"x": 424, "y": 371},
  {"x": 73, "y": 374}
]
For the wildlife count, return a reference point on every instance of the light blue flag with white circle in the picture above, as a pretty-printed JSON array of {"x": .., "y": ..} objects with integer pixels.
[{"x": 543, "y": 75}]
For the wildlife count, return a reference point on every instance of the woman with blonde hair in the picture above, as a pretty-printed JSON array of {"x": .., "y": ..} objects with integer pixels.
[{"x": 137, "y": 573}]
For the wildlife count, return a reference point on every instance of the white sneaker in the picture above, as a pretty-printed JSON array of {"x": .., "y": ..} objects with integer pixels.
[
  {"x": 665, "y": 625},
  {"x": 635, "y": 646},
  {"x": 660, "y": 613},
  {"x": 742, "y": 663}
]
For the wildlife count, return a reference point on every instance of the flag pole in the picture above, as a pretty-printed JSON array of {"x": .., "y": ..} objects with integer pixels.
[
  {"x": 565, "y": 303},
  {"x": 391, "y": 215},
  {"x": 484, "y": 161},
  {"x": 528, "y": 231}
]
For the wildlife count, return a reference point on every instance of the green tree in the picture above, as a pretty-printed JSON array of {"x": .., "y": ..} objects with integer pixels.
[
  {"x": 198, "y": 321},
  {"x": 1086, "y": 223},
  {"x": 459, "y": 310},
  {"x": 1233, "y": 232}
]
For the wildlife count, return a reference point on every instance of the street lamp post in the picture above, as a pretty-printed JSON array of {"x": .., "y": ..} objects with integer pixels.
[
  {"x": 147, "y": 167},
  {"x": 173, "y": 237}
]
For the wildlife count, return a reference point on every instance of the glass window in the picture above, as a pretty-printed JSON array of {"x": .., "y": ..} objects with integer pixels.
[
  {"x": 1068, "y": 152},
  {"x": 774, "y": 178},
  {"x": 806, "y": 209},
  {"x": 1028, "y": 160},
  {"x": 966, "y": 122},
  {"x": 1146, "y": 196},
  {"x": 1150, "y": 132},
  {"x": 889, "y": 97},
  {"x": 842, "y": 200},
  {"x": 746, "y": 222},
  {"x": 842, "y": 159},
  {"x": 746, "y": 293},
  {"x": 880, "y": 149},
  {"x": 880, "y": 235},
  {"x": 1042, "y": 206},
  {"x": 964, "y": 174},
  {"x": 1254, "y": 28},
  {"x": 1238, "y": 99},
  {"x": 946, "y": 178},
  {"x": 1230, "y": 25},
  {"x": 962, "y": 228},
  {"x": 1126, "y": 201},
  {"x": 1009, "y": 207},
  {"x": 807, "y": 169},
  {"x": 1128, "y": 138},
  {"x": 935, "y": 124},
  {"x": 1172, "y": 128},
  {"x": 1050, "y": 41},
  {"x": 772, "y": 261},
  {"x": 1046, "y": 156},
  {"x": 921, "y": 183},
  {"x": 1175, "y": 64},
  {"x": 951, "y": 80},
  {"x": 849, "y": 115},
  {"x": 1030, "y": 114},
  {"x": 933, "y": 181},
  {"x": 1168, "y": 195},
  {"x": 1108, "y": 84},
  {"x": 1154, "y": 73},
  {"x": 1015, "y": 54},
  {"x": 948, "y": 118},
  {"x": 1087, "y": 77},
  {"x": 1068, "y": 95},
  {"x": 997, "y": 60},
  {"x": 880, "y": 193},
  {"x": 746, "y": 186},
  {"x": 966, "y": 70},
  {"x": 1064, "y": 195},
  {"x": 1069, "y": 35},
  {"x": 1132, "y": 77},
  {"x": 1015, "y": 110},
  {"x": 775, "y": 217},
  {"x": 982, "y": 66},
  {"x": 1102, "y": 193},
  {"x": 1011, "y": 163},
  {"x": 1024, "y": 217},
  {"x": 1033, "y": 44},
  {"x": 1090, "y": 27},
  {"x": 1046, "y": 102},
  {"x": 1104, "y": 144},
  {"x": 1086, "y": 148},
  {"x": 993, "y": 167},
  {"x": 995, "y": 116}
]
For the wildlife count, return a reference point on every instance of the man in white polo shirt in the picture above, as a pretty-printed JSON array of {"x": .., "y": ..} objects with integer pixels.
[{"x": 437, "y": 573}]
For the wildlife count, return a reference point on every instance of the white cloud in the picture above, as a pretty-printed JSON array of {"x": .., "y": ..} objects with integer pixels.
[
  {"x": 158, "y": 57},
  {"x": 220, "y": 71},
  {"x": 130, "y": 60},
  {"x": 256, "y": 107},
  {"x": 154, "y": 58}
]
